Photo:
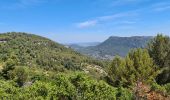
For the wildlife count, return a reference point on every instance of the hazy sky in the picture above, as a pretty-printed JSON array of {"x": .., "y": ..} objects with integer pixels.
[{"x": 85, "y": 20}]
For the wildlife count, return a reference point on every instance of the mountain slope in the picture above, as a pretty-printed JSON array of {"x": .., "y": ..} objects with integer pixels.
[
  {"x": 115, "y": 46},
  {"x": 35, "y": 51}
]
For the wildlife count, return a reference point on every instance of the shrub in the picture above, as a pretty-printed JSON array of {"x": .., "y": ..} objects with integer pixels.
[
  {"x": 158, "y": 88},
  {"x": 124, "y": 94},
  {"x": 167, "y": 87}
]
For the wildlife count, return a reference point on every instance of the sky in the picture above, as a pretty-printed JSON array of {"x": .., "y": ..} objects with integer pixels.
[{"x": 73, "y": 21}]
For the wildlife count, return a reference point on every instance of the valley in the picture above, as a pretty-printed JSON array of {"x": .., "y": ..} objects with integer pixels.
[{"x": 112, "y": 46}]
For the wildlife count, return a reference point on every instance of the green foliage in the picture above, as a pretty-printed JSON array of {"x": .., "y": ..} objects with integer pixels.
[
  {"x": 89, "y": 89},
  {"x": 159, "y": 50},
  {"x": 167, "y": 87},
  {"x": 136, "y": 67},
  {"x": 7, "y": 89},
  {"x": 76, "y": 86},
  {"x": 35, "y": 51},
  {"x": 18, "y": 74},
  {"x": 124, "y": 94},
  {"x": 21, "y": 75},
  {"x": 117, "y": 70},
  {"x": 145, "y": 69},
  {"x": 7, "y": 69},
  {"x": 158, "y": 88}
]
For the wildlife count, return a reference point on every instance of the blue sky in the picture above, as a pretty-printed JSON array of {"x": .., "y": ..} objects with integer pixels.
[{"x": 68, "y": 21}]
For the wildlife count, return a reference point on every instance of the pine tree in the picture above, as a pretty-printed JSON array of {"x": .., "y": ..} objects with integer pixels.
[
  {"x": 136, "y": 67},
  {"x": 159, "y": 50}
]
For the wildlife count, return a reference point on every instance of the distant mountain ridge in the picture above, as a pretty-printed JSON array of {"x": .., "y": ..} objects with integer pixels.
[{"x": 114, "y": 45}]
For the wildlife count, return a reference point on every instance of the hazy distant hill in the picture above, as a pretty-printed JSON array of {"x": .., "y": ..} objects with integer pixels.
[
  {"x": 79, "y": 46},
  {"x": 86, "y": 44},
  {"x": 114, "y": 46}
]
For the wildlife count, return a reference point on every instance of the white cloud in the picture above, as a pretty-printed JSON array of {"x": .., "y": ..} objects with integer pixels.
[
  {"x": 87, "y": 24},
  {"x": 115, "y": 16},
  {"x": 104, "y": 19}
]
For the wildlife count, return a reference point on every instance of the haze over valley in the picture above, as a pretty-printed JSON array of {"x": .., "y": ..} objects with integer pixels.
[{"x": 113, "y": 46}]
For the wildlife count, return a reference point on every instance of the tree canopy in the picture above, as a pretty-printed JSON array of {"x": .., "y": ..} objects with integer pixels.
[{"x": 159, "y": 50}]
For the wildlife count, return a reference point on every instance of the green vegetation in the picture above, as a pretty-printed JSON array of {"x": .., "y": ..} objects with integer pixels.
[
  {"x": 159, "y": 49},
  {"x": 36, "y": 68},
  {"x": 34, "y": 51},
  {"x": 135, "y": 68},
  {"x": 74, "y": 86}
]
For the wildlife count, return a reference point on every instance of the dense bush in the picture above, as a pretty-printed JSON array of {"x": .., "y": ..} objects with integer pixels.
[
  {"x": 76, "y": 86},
  {"x": 158, "y": 88},
  {"x": 124, "y": 94}
]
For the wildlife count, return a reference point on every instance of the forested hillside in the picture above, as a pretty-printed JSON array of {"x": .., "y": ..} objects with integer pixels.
[
  {"x": 35, "y": 51},
  {"x": 36, "y": 68}
]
